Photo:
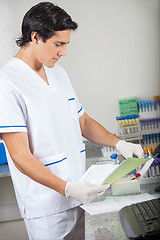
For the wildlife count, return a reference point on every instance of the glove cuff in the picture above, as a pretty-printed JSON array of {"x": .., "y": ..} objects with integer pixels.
[
  {"x": 66, "y": 190},
  {"x": 120, "y": 142}
]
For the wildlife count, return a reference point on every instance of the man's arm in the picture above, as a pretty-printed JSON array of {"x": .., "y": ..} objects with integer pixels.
[
  {"x": 96, "y": 133},
  {"x": 18, "y": 147}
]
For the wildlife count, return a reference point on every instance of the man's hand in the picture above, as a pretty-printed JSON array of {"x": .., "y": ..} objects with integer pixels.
[
  {"x": 84, "y": 192},
  {"x": 128, "y": 149}
]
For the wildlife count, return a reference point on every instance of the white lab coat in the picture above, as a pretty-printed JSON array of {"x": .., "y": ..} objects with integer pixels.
[
  {"x": 50, "y": 115},
  {"x": 67, "y": 225}
]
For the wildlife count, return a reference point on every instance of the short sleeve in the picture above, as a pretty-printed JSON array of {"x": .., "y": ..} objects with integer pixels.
[{"x": 12, "y": 111}]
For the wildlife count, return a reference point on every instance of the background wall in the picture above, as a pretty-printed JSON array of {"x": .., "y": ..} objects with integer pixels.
[{"x": 113, "y": 54}]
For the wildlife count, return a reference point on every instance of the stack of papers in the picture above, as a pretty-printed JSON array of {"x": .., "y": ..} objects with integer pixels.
[{"x": 113, "y": 204}]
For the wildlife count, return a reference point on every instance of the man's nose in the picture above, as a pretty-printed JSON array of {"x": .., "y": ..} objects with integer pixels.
[{"x": 62, "y": 51}]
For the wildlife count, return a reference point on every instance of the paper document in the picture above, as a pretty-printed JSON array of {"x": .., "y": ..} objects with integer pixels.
[
  {"x": 97, "y": 174},
  {"x": 109, "y": 173},
  {"x": 113, "y": 204}
]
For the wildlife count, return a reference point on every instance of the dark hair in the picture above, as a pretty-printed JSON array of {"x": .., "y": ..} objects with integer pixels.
[{"x": 45, "y": 18}]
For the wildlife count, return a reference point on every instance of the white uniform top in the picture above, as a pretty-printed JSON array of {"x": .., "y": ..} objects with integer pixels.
[{"x": 50, "y": 115}]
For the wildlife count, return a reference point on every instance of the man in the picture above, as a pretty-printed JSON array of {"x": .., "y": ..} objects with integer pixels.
[{"x": 42, "y": 123}]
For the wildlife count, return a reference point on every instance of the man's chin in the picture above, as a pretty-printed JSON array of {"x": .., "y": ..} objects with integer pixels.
[{"x": 50, "y": 65}]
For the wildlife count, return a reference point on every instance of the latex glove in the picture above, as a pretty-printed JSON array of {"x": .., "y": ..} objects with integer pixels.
[
  {"x": 127, "y": 149},
  {"x": 84, "y": 192}
]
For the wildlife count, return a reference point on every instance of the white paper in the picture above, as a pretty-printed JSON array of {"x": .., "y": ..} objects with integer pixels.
[
  {"x": 145, "y": 168},
  {"x": 97, "y": 174},
  {"x": 114, "y": 204}
]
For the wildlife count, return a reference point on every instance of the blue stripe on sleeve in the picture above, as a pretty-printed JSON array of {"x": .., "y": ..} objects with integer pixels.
[
  {"x": 80, "y": 110},
  {"x": 13, "y": 126}
]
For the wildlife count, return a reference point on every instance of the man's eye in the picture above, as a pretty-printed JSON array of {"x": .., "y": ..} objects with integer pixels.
[{"x": 57, "y": 45}]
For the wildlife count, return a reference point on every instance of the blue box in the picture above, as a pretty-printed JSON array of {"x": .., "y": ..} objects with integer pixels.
[{"x": 3, "y": 157}]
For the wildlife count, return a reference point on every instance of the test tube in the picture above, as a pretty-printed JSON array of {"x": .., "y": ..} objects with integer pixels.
[
  {"x": 152, "y": 149},
  {"x": 145, "y": 152},
  {"x": 126, "y": 125},
  {"x": 136, "y": 122},
  {"x": 152, "y": 167},
  {"x": 149, "y": 149},
  {"x": 119, "y": 121},
  {"x": 128, "y": 117},
  {"x": 142, "y": 122},
  {"x": 114, "y": 158},
  {"x": 157, "y": 170}
]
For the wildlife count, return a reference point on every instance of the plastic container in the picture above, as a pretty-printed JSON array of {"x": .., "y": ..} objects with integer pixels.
[
  {"x": 3, "y": 157},
  {"x": 114, "y": 158}
]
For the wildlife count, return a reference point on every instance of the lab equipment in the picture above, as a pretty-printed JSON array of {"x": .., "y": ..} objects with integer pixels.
[
  {"x": 114, "y": 158},
  {"x": 107, "y": 151},
  {"x": 157, "y": 189},
  {"x": 141, "y": 220},
  {"x": 145, "y": 106},
  {"x": 128, "y": 106},
  {"x": 150, "y": 123},
  {"x": 129, "y": 127},
  {"x": 125, "y": 187},
  {"x": 150, "y": 139},
  {"x": 154, "y": 169}
]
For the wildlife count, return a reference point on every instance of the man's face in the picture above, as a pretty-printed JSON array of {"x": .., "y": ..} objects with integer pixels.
[{"x": 49, "y": 53}]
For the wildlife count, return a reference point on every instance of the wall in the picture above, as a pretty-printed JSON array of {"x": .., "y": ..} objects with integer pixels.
[{"x": 115, "y": 50}]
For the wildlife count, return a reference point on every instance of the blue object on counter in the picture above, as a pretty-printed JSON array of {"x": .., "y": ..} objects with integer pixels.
[
  {"x": 114, "y": 158},
  {"x": 3, "y": 157}
]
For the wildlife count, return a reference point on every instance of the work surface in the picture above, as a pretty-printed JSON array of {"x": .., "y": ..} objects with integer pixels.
[
  {"x": 107, "y": 226},
  {"x": 104, "y": 226}
]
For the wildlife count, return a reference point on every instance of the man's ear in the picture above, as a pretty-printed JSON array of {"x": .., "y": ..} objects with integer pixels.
[{"x": 35, "y": 37}]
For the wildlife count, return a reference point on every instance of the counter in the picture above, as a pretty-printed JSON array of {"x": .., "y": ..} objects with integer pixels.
[
  {"x": 104, "y": 226},
  {"x": 4, "y": 170}
]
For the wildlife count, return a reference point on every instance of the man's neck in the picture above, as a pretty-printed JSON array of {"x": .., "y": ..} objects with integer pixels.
[{"x": 27, "y": 56}]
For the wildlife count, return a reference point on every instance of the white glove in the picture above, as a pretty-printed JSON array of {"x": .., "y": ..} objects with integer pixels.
[
  {"x": 127, "y": 149},
  {"x": 84, "y": 192}
]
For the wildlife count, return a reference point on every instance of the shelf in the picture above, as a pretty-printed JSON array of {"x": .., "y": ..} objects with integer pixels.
[{"x": 150, "y": 131}]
